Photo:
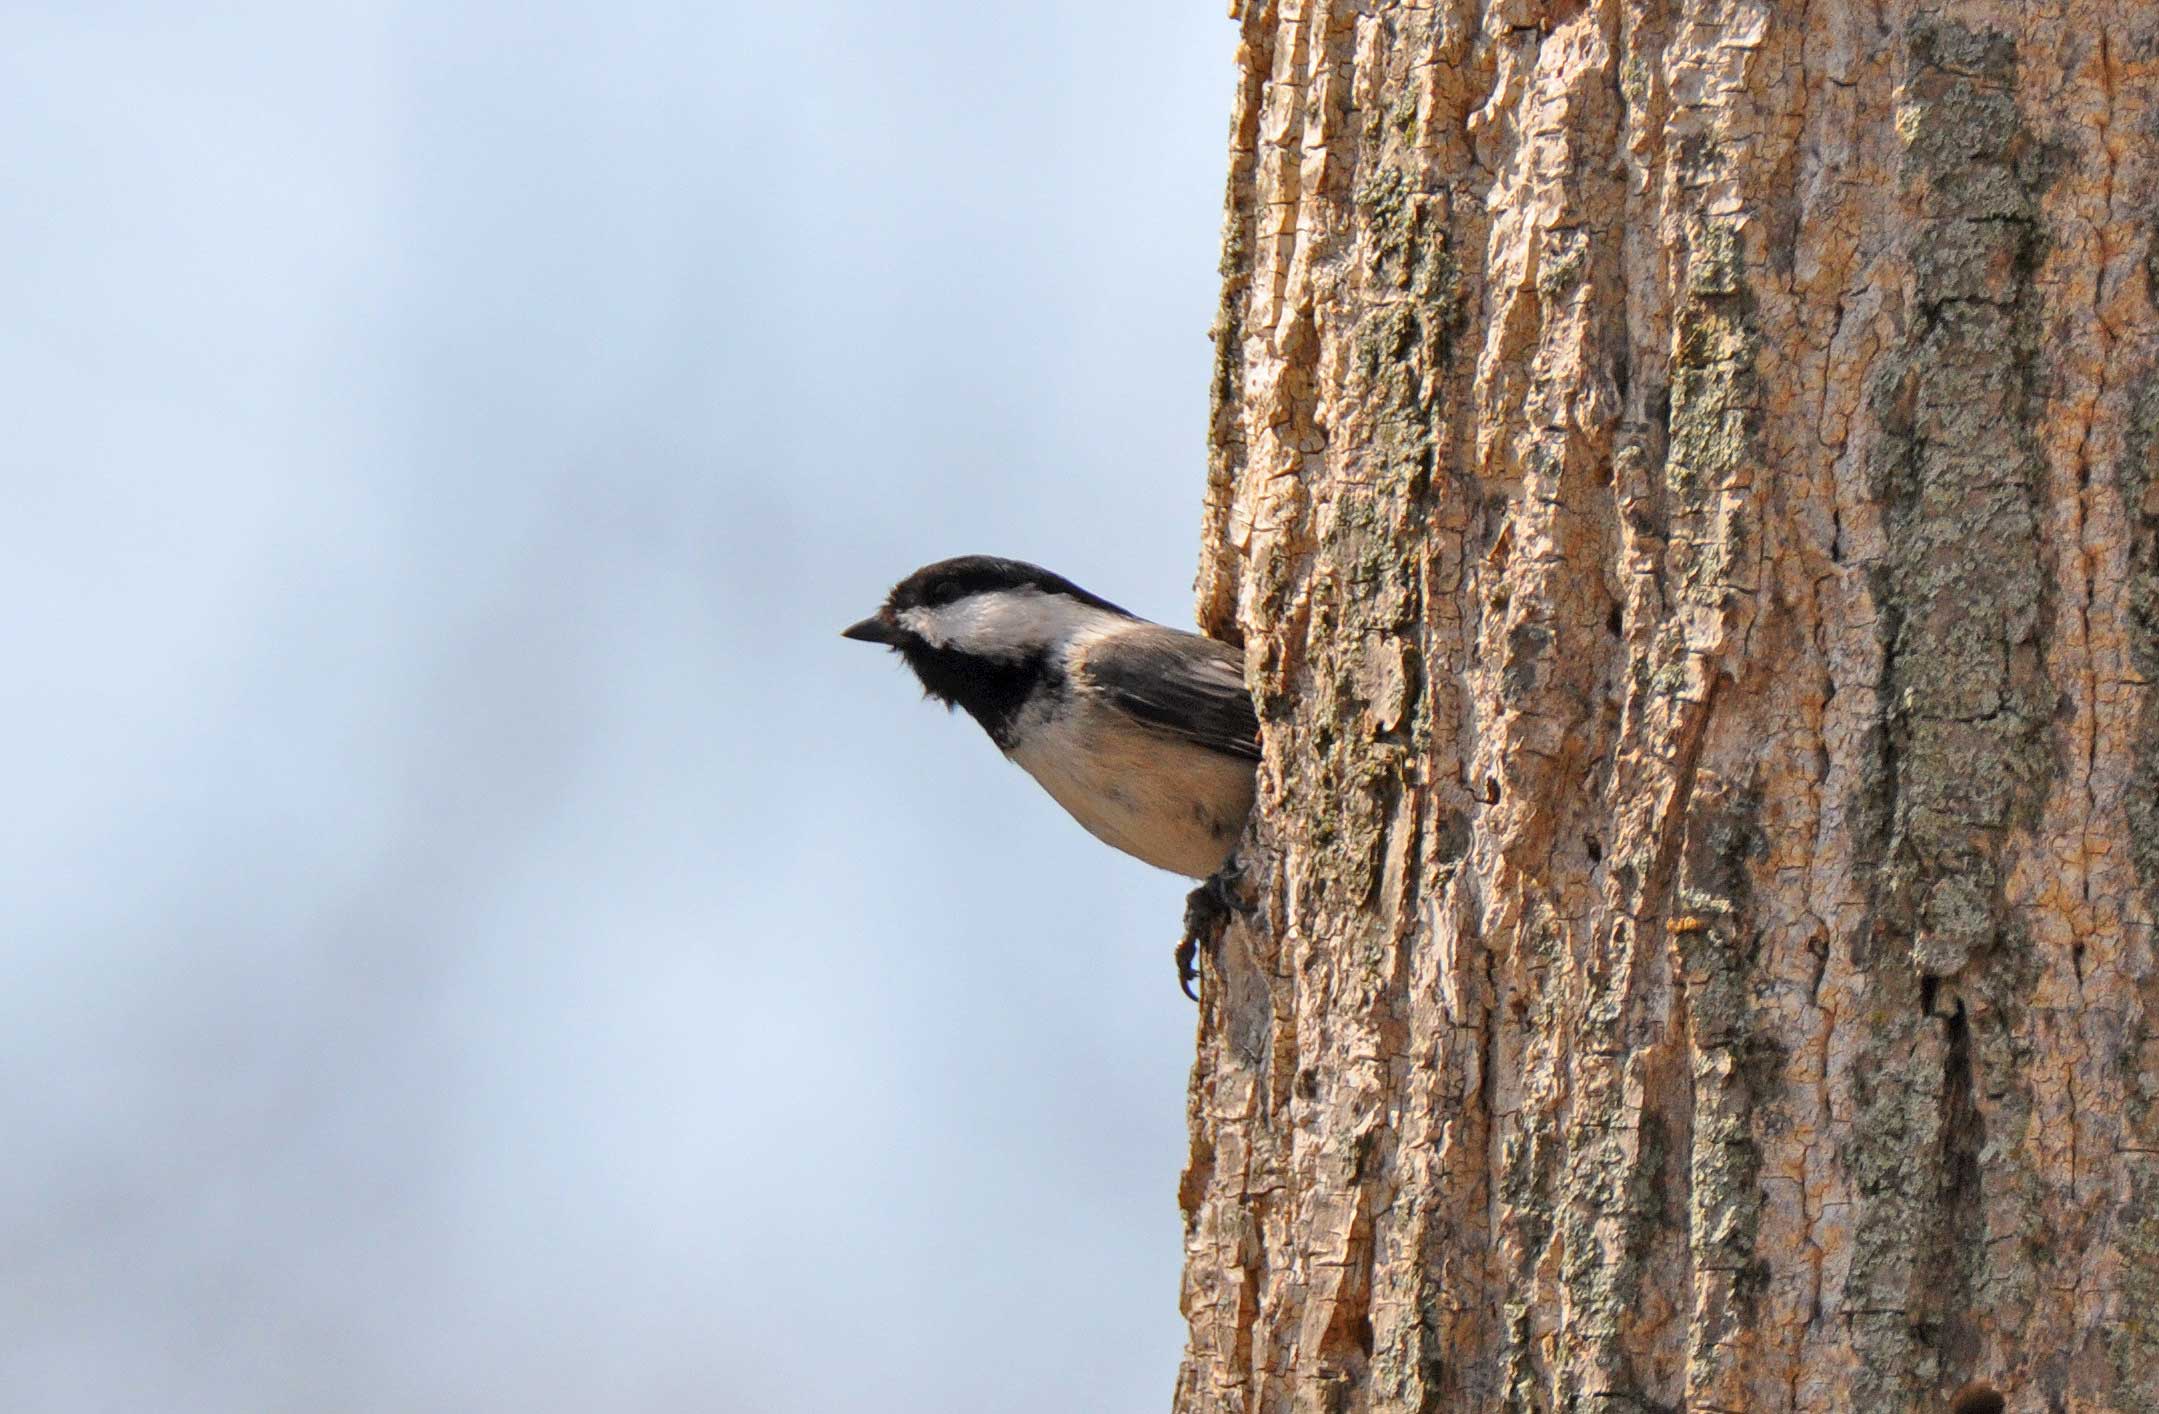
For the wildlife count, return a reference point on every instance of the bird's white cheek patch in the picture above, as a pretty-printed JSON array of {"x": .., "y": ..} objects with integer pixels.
[
  {"x": 925, "y": 624},
  {"x": 962, "y": 625},
  {"x": 1006, "y": 624}
]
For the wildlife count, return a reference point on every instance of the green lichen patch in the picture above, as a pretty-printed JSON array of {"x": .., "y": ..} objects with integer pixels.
[
  {"x": 1964, "y": 587},
  {"x": 1964, "y": 743},
  {"x": 1714, "y": 416},
  {"x": 2133, "y": 1346},
  {"x": 2138, "y": 479},
  {"x": 1564, "y": 259},
  {"x": 1225, "y": 389},
  {"x": 1404, "y": 350}
]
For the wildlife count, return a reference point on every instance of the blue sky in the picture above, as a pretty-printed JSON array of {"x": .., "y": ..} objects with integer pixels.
[{"x": 477, "y": 938}]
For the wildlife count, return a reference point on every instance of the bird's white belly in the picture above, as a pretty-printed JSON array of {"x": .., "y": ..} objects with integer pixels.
[{"x": 1176, "y": 806}]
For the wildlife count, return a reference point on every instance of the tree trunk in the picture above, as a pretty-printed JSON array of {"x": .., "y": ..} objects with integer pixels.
[{"x": 1684, "y": 477}]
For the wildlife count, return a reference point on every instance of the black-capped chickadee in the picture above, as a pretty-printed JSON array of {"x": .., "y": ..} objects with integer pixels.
[{"x": 1146, "y": 735}]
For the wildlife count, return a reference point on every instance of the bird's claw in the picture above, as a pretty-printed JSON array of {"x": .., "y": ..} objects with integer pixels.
[{"x": 1207, "y": 911}]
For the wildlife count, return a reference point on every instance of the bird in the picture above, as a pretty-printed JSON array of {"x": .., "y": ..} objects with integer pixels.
[{"x": 1145, "y": 734}]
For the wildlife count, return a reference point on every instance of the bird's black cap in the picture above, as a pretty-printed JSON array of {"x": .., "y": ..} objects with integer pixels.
[{"x": 949, "y": 581}]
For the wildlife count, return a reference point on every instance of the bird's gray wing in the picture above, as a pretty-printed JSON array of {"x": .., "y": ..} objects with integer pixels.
[{"x": 1180, "y": 683}]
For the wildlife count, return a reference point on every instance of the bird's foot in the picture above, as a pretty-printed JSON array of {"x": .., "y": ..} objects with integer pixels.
[{"x": 1207, "y": 911}]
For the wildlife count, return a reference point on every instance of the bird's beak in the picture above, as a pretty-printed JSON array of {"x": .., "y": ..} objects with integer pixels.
[{"x": 874, "y": 629}]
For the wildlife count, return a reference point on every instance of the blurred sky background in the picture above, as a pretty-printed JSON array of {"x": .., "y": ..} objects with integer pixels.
[{"x": 475, "y": 937}]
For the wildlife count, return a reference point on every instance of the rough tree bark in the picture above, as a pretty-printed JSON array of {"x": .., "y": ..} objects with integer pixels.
[{"x": 1684, "y": 478}]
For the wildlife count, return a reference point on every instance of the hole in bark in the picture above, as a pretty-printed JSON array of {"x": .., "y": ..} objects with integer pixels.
[
  {"x": 1596, "y": 851},
  {"x": 1928, "y": 986},
  {"x": 1978, "y": 1397},
  {"x": 1491, "y": 790},
  {"x": 1615, "y": 621}
]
